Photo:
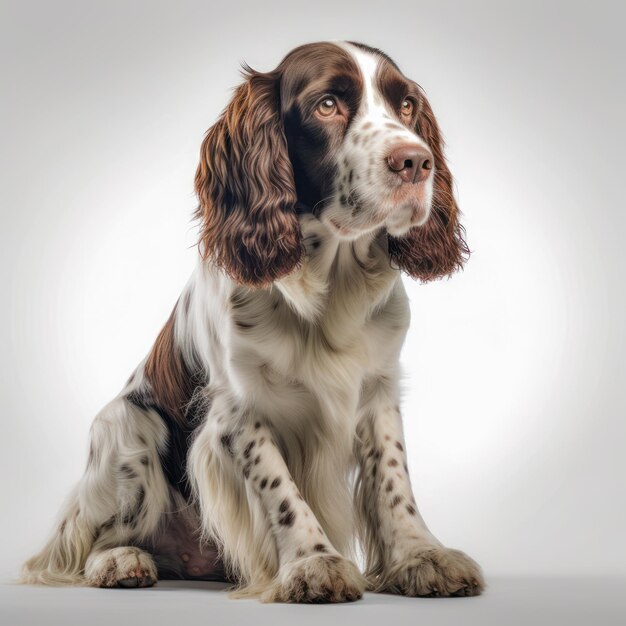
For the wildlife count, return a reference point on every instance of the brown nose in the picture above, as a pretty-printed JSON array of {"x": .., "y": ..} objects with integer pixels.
[{"x": 410, "y": 162}]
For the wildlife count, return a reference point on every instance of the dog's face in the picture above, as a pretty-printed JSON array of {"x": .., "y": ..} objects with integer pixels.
[
  {"x": 350, "y": 119},
  {"x": 336, "y": 129}
]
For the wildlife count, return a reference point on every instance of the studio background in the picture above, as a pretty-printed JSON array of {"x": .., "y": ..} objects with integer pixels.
[{"x": 514, "y": 381}]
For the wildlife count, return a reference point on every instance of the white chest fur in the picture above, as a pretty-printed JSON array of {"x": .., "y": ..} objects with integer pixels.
[{"x": 300, "y": 351}]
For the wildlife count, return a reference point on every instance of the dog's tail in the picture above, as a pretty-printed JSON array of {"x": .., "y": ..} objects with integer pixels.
[{"x": 62, "y": 560}]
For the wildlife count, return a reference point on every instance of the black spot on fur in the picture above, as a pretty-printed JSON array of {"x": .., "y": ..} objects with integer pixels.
[
  {"x": 399, "y": 446},
  {"x": 284, "y": 505},
  {"x": 144, "y": 460},
  {"x": 257, "y": 459},
  {"x": 320, "y": 547},
  {"x": 227, "y": 442},
  {"x": 246, "y": 469},
  {"x": 248, "y": 449},
  {"x": 287, "y": 519},
  {"x": 257, "y": 425},
  {"x": 173, "y": 458},
  {"x": 141, "y": 496},
  {"x": 275, "y": 483},
  {"x": 395, "y": 501},
  {"x": 263, "y": 483},
  {"x": 244, "y": 325},
  {"x": 392, "y": 463},
  {"x": 238, "y": 299},
  {"x": 128, "y": 471},
  {"x": 389, "y": 485},
  {"x": 410, "y": 509}
]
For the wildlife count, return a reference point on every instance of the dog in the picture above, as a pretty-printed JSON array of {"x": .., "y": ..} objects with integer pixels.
[{"x": 260, "y": 441}]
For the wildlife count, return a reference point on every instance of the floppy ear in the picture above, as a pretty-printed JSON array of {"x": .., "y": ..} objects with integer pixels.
[
  {"x": 245, "y": 185},
  {"x": 438, "y": 247}
]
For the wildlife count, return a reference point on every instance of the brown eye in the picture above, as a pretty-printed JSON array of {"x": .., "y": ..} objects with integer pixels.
[
  {"x": 327, "y": 107},
  {"x": 407, "y": 107}
]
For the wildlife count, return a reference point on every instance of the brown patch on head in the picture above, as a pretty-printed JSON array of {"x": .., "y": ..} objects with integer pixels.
[
  {"x": 309, "y": 73},
  {"x": 267, "y": 151},
  {"x": 394, "y": 88}
]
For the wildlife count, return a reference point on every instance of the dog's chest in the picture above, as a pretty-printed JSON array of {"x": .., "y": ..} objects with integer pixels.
[{"x": 294, "y": 367}]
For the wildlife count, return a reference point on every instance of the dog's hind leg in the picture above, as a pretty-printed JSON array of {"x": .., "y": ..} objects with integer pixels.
[{"x": 116, "y": 506}]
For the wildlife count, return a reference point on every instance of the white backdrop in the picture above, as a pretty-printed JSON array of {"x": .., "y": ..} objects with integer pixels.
[{"x": 515, "y": 405}]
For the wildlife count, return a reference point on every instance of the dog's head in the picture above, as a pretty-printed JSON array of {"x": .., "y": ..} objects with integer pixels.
[{"x": 336, "y": 129}]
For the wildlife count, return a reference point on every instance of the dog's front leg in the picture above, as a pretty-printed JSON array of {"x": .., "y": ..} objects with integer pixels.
[
  {"x": 403, "y": 555},
  {"x": 309, "y": 568}
]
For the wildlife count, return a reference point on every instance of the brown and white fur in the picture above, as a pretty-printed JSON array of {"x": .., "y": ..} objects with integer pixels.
[{"x": 261, "y": 439}]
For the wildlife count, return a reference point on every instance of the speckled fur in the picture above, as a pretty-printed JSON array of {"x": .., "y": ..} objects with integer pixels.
[{"x": 267, "y": 415}]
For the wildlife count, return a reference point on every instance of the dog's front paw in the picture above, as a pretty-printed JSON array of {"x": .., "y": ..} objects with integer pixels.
[
  {"x": 327, "y": 578},
  {"x": 436, "y": 572},
  {"x": 120, "y": 567}
]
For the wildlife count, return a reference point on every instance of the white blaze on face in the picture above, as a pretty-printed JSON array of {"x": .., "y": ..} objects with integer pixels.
[{"x": 367, "y": 194}]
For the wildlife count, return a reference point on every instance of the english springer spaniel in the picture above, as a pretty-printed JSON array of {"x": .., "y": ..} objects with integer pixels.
[{"x": 260, "y": 441}]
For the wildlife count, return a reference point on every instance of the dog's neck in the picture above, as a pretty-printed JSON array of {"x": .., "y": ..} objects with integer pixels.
[{"x": 333, "y": 269}]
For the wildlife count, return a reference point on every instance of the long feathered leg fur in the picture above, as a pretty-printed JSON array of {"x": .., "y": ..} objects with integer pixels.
[{"x": 261, "y": 436}]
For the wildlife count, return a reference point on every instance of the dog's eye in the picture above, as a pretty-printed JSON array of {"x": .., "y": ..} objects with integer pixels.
[
  {"x": 327, "y": 107},
  {"x": 406, "y": 108}
]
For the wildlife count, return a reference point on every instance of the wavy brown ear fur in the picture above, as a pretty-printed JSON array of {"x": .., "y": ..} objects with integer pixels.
[
  {"x": 438, "y": 247},
  {"x": 245, "y": 185}
]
